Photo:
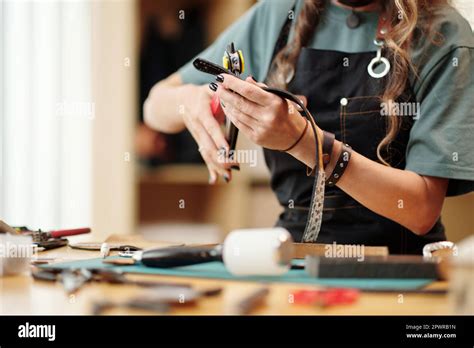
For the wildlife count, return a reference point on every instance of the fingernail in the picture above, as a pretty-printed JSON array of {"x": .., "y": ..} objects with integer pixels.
[
  {"x": 212, "y": 179},
  {"x": 223, "y": 149},
  {"x": 235, "y": 167},
  {"x": 253, "y": 78},
  {"x": 226, "y": 177},
  {"x": 220, "y": 78},
  {"x": 213, "y": 86}
]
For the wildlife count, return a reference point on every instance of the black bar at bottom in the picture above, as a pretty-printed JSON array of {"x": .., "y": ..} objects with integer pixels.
[{"x": 449, "y": 331}]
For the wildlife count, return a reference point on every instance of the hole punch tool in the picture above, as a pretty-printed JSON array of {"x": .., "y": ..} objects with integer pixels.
[
  {"x": 51, "y": 239},
  {"x": 233, "y": 62}
]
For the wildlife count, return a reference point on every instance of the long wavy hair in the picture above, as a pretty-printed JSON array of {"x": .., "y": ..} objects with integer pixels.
[{"x": 409, "y": 18}]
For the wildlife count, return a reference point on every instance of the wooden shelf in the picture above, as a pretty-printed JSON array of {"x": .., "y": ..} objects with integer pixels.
[{"x": 197, "y": 174}]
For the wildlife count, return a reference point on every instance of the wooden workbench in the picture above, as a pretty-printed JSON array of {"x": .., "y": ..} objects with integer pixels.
[{"x": 22, "y": 295}]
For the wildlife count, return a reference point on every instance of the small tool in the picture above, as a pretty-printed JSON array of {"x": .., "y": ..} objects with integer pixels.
[
  {"x": 43, "y": 236},
  {"x": 391, "y": 266},
  {"x": 97, "y": 246},
  {"x": 233, "y": 62},
  {"x": 159, "y": 299},
  {"x": 250, "y": 302},
  {"x": 46, "y": 240},
  {"x": 73, "y": 280},
  {"x": 327, "y": 297},
  {"x": 104, "y": 250},
  {"x": 135, "y": 303}
]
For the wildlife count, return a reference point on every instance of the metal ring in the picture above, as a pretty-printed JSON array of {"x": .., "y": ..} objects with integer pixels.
[
  {"x": 370, "y": 67},
  {"x": 379, "y": 42},
  {"x": 429, "y": 248}
]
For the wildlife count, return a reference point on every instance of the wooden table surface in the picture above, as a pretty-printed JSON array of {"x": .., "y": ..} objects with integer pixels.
[{"x": 22, "y": 295}]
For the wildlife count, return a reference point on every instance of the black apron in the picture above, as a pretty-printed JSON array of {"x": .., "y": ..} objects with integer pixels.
[{"x": 321, "y": 76}]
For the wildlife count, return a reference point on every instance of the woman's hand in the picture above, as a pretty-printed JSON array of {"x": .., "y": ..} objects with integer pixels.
[
  {"x": 207, "y": 132},
  {"x": 263, "y": 117}
]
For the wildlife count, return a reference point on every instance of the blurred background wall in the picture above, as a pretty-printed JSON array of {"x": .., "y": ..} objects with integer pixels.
[{"x": 73, "y": 148}]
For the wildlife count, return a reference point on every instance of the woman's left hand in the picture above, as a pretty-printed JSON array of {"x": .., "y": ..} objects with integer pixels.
[{"x": 266, "y": 119}]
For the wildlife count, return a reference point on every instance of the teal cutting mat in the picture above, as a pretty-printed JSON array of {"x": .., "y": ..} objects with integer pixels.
[{"x": 216, "y": 270}]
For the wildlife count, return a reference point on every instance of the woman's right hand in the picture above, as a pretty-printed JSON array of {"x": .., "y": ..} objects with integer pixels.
[{"x": 207, "y": 132}]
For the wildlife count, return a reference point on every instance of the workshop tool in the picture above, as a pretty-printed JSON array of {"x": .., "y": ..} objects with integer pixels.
[
  {"x": 135, "y": 303},
  {"x": 46, "y": 240},
  {"x": 313, "y": 224},
  {"x": 73, "y": 279},
  {"x": 250, "y": 302},
  {"x": 97, "y": 246},
  {"x": 43, "y": 236},
  {"x": 447, "y": 246},
  {"x": 233, "y": 62},
  {"x": 326, "y": 297},
  {"x": 265, "y": 251},
  {"x": 158, "y": 299},
  {"x": 392, "y": 266},
  {"x": 104, "y": 250}
]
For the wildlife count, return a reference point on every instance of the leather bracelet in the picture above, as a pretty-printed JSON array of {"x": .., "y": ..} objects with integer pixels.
[
  {"x": 299, "y": 139},
  {"x": 328, "y": 143},
  {"x": 341, "y": 166}
]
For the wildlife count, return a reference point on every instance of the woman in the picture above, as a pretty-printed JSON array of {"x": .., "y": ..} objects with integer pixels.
[{"x": 410, "y": 130}]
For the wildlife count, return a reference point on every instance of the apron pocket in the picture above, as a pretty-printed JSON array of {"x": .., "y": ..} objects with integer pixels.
[{"x": 362, "y": 124}]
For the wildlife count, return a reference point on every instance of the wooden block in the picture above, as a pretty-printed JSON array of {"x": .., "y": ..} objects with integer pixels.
[{"x": 316, "y": 249}]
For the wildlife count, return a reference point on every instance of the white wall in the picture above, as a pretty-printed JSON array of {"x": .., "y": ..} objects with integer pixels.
[{"x": 466, "y": 7}]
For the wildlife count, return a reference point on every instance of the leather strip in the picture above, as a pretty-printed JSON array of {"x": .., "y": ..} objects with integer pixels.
[
  {"x": 341, "y": 165},
  {"x": 299, "y": 139},
  {"x": 328, "y": 143}
]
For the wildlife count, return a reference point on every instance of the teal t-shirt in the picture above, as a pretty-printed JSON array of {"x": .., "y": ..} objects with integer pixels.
[{"x": 441, "y": 139}]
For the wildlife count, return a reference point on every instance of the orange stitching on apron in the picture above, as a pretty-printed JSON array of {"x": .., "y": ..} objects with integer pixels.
[
  {"x": 341, "y": 108},
  {"x": 344, "y": 122}
]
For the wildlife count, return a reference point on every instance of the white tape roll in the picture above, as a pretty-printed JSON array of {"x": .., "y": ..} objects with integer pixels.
[
  {"x": 263, "y": 251},
  {"x": 15, "y": 254}
]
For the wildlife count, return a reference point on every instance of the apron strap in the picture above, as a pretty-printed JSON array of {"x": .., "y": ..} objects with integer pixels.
[{"x": 282, "y": 39}]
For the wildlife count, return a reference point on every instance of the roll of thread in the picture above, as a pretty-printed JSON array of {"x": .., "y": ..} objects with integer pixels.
[{"x": 15, "y": 254}]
